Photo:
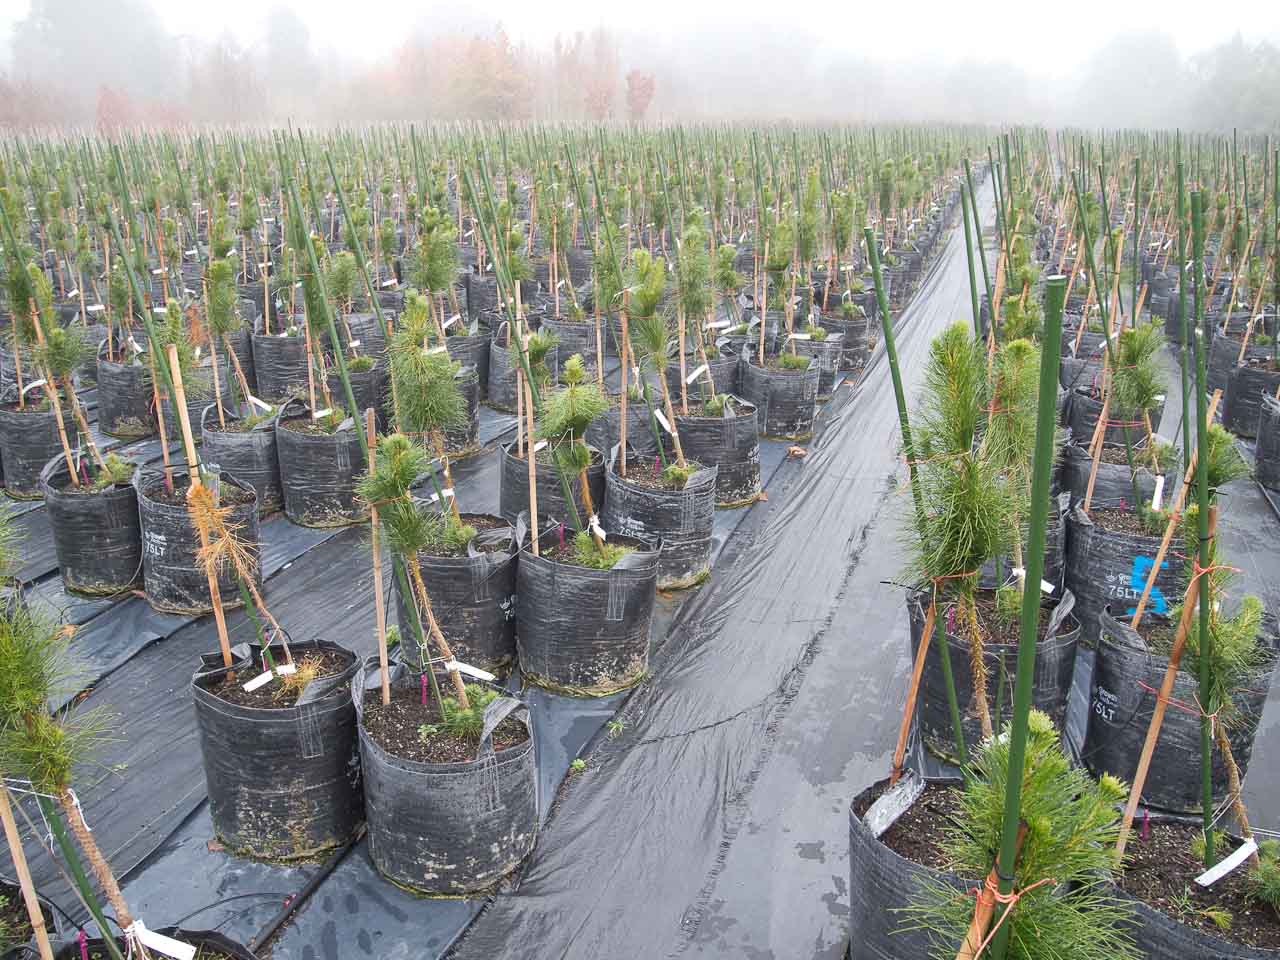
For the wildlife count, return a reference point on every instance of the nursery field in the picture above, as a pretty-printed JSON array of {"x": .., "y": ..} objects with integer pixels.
[{"x": 577, "y": 542}]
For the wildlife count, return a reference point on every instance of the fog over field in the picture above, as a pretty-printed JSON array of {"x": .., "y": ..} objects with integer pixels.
[{"x": 1091, "y": 64}]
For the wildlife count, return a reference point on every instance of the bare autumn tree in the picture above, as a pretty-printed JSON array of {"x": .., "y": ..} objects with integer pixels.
[
  {"x": 639, "y": 95},
  {"x": 601, "y": 76}
]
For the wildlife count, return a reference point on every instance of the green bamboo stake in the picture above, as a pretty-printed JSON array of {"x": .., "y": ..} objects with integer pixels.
[
  {"x": 1042, "y": 468},
  {"x": 908, "y": 447},
  {"x": 968, "y": 252},
  {"x": 1182, "y": 310},
  {"x": 1202, "y": 531},
  {"x": 977, "y": 239}
]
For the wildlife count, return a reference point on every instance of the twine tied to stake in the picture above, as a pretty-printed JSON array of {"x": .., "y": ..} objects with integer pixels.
[{"x": 1010, "y": 900}]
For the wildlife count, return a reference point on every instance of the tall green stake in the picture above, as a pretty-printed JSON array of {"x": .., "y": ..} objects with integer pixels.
[
  {"x": 1042, "y": 469},
  {"x": 968, "y": 252}
]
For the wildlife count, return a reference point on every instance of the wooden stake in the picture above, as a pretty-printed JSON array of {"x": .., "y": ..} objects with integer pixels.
[
  {"x": 24, "y": 875},
  {"x": 1189, "y": 603},
  {"x": 909, "y": 708},
  {"x": 533, "y": 471}
]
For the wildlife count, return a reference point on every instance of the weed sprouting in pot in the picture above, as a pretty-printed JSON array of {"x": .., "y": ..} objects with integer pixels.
[{"x": 793, "y": 362}]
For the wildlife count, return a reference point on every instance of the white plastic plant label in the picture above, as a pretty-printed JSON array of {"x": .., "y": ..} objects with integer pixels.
[
  {"x": 1159, "y": 494},
  {"x": 799, "y": 336},
  {"x": 452, "y": 320},
  {"x": 162, "y": 944},
  {"x": 33, "y": 384},
  {"x": 539, "y": 445},
  {"x": 468, "y": 670},
  {"x": 1045, "y": 585},
  {"x": 696, "y": 374},
  {"x": 95, "y": 308},
  {"x": 133, "y": 344},
  {"x": 594, "y": 525},
  {"x": 261, "y": 680},
  {"x": 260, "y": 404},
  {"x": 73, "y": 293},
  {"x": 160, "y": 310},
  {"x": 157, "y": 272},
  {"x": 354, "y": 343},
  {"x": 439, "y": 349},
  {"x": 448, "y": 495},
  {"x": 718, "y": 325},
  {"x": 391, "y": 282},
  {"x": 286, "y": 669},
  {"x": 317, "y": 414},
  {"x": 1223, "y": 867},
  {"x": 661, "y": 418}
]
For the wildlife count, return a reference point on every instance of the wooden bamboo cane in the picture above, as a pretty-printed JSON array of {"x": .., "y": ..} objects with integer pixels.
[
  {"x": 913, "y": 689},
  {"x": 1189, "y": 601},
  {"x": 23, "y": 872},
  {"x": 379, "y": 602}
]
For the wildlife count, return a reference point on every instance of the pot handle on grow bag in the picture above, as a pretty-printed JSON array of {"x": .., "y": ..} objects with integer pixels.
[{"x": 494, "y": 714}]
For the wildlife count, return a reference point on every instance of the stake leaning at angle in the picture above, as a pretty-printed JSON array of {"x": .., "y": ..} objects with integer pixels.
[{"x": 380, "y": 613}]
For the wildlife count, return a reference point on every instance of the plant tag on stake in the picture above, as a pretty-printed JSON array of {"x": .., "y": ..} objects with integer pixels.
[
  {"x": 448, "y": 495},
  {"x": 73, "y": 293},
  {"x": 452, "y": 320},
  {"x": 696, "y": 374},
  {"x": 389, "y": 283},
  {"x": 594, "y": 524},
  {"x": 539, "y": 445},
  {"x": 33, "y": 384},
  {"x": 261, "y": 680},
  {"x": 718, "y": 325},
  {"x": 799, "y": 336},
  {"x": 470, "y": 671},
  {"x": 661, "y": 418},
  {"x": 95, "y": 308},
  {"x": 1045, "y": 585},
  {"x": 1223, "y": 867},
  {"x": 317, "y": 414},
  {"x": 160, "y": 943},
  {"x": 1159, "y": 494}
]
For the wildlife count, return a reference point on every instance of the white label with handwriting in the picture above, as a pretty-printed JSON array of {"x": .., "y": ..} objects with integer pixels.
[{"x": 261, "y": 680}]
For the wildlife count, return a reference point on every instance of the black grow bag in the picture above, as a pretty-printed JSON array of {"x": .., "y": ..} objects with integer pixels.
[
  {"x": 724, "y": 378},
  {"x": 786, "y": 402},
  {"x": 241, "y": 341},
  {"x": 1082, "y": 417},
  {"x": 283, "y": 782},
  {"x": 473, "y": 600},
  {"x": 97, "y": 535},
  {"x": 882, "y": 883},
  {"x": 583, "y": 631},
  {"x": 605, "y": 431},
  {"x": 29, "y": 440},
  {"x": 1054, "y": 667},
  {"x": 513, "y": 488},
  {"x": 200, "y": 393},
  {"x": 826, "y": 355},
  {"x": 465, "y": 440},
  {"x": 500, "y": 391},
  {"x": 732, "y": 445},
  {"x": 280, "y": 365},
  {"x": 1126, "y": 680},
  {"x": 681, "y": 520},
  {"x": 248, "y": 455},
  {"x": 1246, "y": 387},
  {"x": 1111, "y": 569},
  {"x": 197, "y": 938},
  {"x": 125, "y": 399},
  {"x": 319, "y": 472},
  {"x": 1267, "y": 452},
  {"x": 1111, "y": 487},
  {"x": 1160, "y": 937},
  {"x": 449, "y": 828},
  {"x": 471, "y": 350},
  {"x": 577, "y": 337},
  {"x": 173, "y": 579},
  {"x": 369, "y": 387}
]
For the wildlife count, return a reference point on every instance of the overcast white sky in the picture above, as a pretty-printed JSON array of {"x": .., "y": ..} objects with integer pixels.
[{"x": 907, "y": 29}]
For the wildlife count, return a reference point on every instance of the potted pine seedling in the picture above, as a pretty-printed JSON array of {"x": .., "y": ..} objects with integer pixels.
[
  {"x": 575, "y": 331},
  {"x": 585, "y": 591},
  {"x": 200, "y": 373},
  {"x": 45, "y": 748},
  {"x": 280, "y": 355},
  {"x": 825, "y": 348},
  {"x": 693, "y": 374},
  {"x": 671, "y": 502},
  {"x": 450, "y": 783}
]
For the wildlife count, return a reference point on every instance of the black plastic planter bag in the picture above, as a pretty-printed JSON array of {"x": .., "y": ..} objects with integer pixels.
[
  {"x": 242, "y": 345},
  {"x": 97, "y": 949},
  {"x": 173, "y": 578},
  {"x": 1111, "y": 487},
  {"x": 1054, "y": 667},
  {"x": 471, "y": 350},
  {"x": 1126, "y": 681},
  {"x": 473, "y": 599},
  {"x": 1160, "y": 937},
  {"x": 1267, "y": 453},
  {"x": 283, "y": 782},
  {"x": 786, "y": 403},
  {"x": 200, "y": 394},
  {"x": 855, "y": 341},
  {"x": 319, "y": 472},
  {"x": 1082, "y": 417},
  {"x": 1245, "y": 389},
  {"x": 28, "y": 440},
  {"x": 724, "y": 378},
  {"x": 52, "y": 924},
  {"x": 577, "y": 337},
  {"x": 369, "y": 387},
  {"x": 248, "y": 455},
  {"x": 605, "y": 431},
  {"x": 501, "y": 390},
  {"x": 1055, "y": 547},
  {"x": 280, "y": 364},
  {"x": 681, "y": 520},
  {"x": 463, "y": 441},
  {"x": 97, "y": 535},
  {"x": 1111, "y": 569},
  {"x": 583, "y": 631},
  {"x": 449, "y": 828},
  {"x": 882, "y": 883},
  {"x": 826, "y": 356},
  {"x": 513, "y": 489},
  {"x": 125, "y": 400},
  {"x": 732, "y": 444}
]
